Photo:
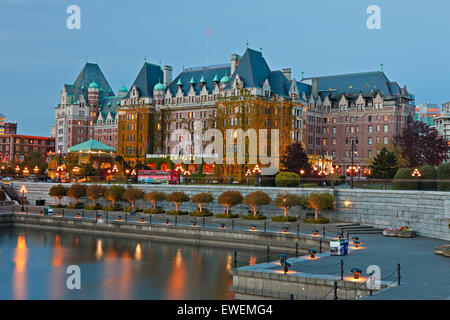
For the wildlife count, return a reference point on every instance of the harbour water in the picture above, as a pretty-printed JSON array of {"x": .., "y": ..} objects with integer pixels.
[{"x": 33, "y": 265}]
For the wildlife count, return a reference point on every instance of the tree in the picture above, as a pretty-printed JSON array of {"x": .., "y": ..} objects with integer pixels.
[
  {"x": 177, "y": 197},
  {"x": 115, "y": 194},
  {"x": 286, "y": 201},
  {"x": 287, "y": 179},
  {"x": 35, "y": 159},
  {"x": 76, "y": 191},
  {"x": 2, "y": 195},
  {"x": 443, "y": 174},
  {"x": 321, "y": 201},
  {"x": 155, "y": 196},
  {"x": 95, "y": 192},
  {"x": 59, "y": 191},
  {"x": 202, "y": 198},
  {"x": 132, "y": 195},
  {"x": 384, "y": 165},
  {"x": 255, "y": 199},
  {"x": 294, "y": 159},
  {"x": 230, "y": 199},
  {"x": 87, "y": 170},
  {"x": 395, "y": 149},
  {"x": 421, "y": 144}
]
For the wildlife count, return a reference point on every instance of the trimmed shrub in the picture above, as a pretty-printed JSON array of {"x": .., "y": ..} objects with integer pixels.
[
  {"x": 94, "y": 192},
  {"x": 201, "y": 199},
  {"x": 443, "y": 173},
  {"x": 287, "y": 179},
  {"x": 115, "y": 194},
  {"x": 321, "y": 201},
  {"x": 255, "y": 199},
  {"x": 177, "y": 197},
  {"x": 230, "y": 199},
  {"x": 76, "y": 191},
  {"x": 286, "y": 201},
  {"x": 227, "y": 216},
  {"x": 59, "y": 191},
  {"x": 319, "y": 220},
  {"x": 93, "y": 207},
  {"x": 400, "y": 177},
  {"x": 328, "y": 201},
  {"x": 177, "y": 213},
  {"x": 112, "y": 208},
  {"x": 427, "y": 173},
  {"x": 252, "y": 217},
  {"x": 132, "y": 195},
  {"x": 284, "y": 219},
  {"x": 155, "y": 211},
  {"x": 201, "y": 214},
  {"x": 154, "y": 197}
]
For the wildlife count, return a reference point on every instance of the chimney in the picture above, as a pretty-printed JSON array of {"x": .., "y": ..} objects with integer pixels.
[
  {"x": 315, "y": 87},
  {"x": 167, "y": 70},
  {"x": 234, "y": 58},
  {"x": 287, "y": 73}
]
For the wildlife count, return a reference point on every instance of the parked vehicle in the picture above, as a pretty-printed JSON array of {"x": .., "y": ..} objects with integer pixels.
[{"x": 158, "y": 176}]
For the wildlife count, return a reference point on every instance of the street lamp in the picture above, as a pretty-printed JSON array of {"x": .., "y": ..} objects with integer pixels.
[
  {"x": 416, "y": 173},
  {"x": 76, "y": 171},
  {"x": 60, "y": 170},
  {"x": 114, "y": 172},
  {"x": 26, "y": 171},
  {"x": 127, "y": 172},
  {"x": 23, "y": 190},
  {"x": 257, "y": 171},
  {"x": 248, "y": 174},
  {"x": 302, "y": 173},
  {"x": 179, "y": 169},
  {"x": 36, "y": 169},
  {"x": 17, "y": 169}
]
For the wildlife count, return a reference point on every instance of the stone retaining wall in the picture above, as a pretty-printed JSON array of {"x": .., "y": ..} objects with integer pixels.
[{"x": 427, "y": 212}]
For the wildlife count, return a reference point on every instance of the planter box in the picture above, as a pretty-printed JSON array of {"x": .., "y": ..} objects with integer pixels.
[
  {"x": 443, "y": 250},
  {"x": 406, "y": 234},
  {"x": 390, "y": 233}
]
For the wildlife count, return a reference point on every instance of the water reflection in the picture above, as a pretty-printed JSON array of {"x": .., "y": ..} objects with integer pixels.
[
  {"x": 20, "y": 276},
  {"x": 112, "y": 268}
]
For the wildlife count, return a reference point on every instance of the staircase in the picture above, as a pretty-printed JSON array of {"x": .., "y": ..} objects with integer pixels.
[{"x": 354, "y": 228}]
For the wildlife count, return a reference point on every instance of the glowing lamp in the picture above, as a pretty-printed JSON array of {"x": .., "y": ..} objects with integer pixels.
[
  {"x": 194, "y": 222},
  {"x": 58, "y": 214},
  {"x": 167, "y": 221},
  {"x": 36, "y": 169},
  {"x": 340, "y": 235},
  {"x": 77, "y": 215},
  {"x": 316, "y": 232},
  {"x": 356, "y": 243},
  {"x": 41, "y": 213},
  {"x": 285, "y": 229},
  {"x": 222, "y": 225},
  {"x": 356, "y": 272},
  {"x": 355, "y": 238},
  {"x": 119, "y": 218},
  {"x": 313, "y": 253},
  {"x": 17, "y": 169},
  {"x": 142, "y": 220},
  {"x": 253, "y": 227},
  {"x": 97, "y": 217}
]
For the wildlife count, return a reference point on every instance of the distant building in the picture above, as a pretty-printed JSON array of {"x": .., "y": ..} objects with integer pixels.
[
  {"x": 442, "y": 122},
  {"x": 87, "y": 110},
  {"x": 7, "y": 127},
  {"x": 427, "y": 112},
  {"x": 14, "y": 147}
]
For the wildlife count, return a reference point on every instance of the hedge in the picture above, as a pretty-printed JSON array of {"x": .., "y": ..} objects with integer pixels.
[
  {"x": 287, "y": 179},
  {"x": 404, "y": 174},
  {"x": 427, "y": 173},
  {"x": 443, "y": 173}
]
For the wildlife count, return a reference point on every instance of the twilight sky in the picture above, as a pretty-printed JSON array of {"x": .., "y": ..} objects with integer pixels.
[{"x": 38, "y": 53}]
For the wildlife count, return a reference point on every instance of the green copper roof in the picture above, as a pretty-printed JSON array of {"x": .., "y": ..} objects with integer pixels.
[
  {"x": 159, "y": 86},
  {"x": 123, "y": 89},
  {"x": 91, "y": 146},
  {"x": 93, "y": 85},
  {"x": 225, "y": 79},
  {"x": 202, "y": 80},
  {"x": 192, "y": 81},
  {"x": 216, "y": 78},
  {"x": 179, "y": 83}
]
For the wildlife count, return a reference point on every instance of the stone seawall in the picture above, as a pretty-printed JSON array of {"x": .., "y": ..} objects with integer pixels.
[
  {"x": 193, "y": 235},
  {"x": 427, "y": 212}
]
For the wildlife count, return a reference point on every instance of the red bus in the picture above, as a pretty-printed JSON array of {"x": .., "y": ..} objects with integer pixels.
[{"x": 158, "y": 176}]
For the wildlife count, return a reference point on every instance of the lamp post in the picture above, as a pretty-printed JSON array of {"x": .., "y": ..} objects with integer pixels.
[
  {"x": 179, "y": 169},
  {"x": 60, "y": 170},
  {"x": 127, "y": 172},
  {"x": 17, "y": 169},
  {"x": 23, "y": 190},
  {"x": 133, "y": 173},
  {"x": 257, "y": 171},
  {"x": 114, "y": 172},
  {"x": 247, "y": 175},
  {"x": 302, "y": 173},
  {"x": 416, "y": 173},
  {"x": 352, "y": 167},
  {"x": 36, "y": 170}
]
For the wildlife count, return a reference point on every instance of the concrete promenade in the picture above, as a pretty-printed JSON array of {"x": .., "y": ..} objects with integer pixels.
[{"x": 424, "y": 275}]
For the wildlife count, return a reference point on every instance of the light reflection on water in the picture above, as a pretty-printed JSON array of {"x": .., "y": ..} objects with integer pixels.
[{"x": 33, "y": 266}]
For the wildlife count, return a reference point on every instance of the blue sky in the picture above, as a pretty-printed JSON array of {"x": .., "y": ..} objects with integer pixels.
[{"x": 38, "y": 54}]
